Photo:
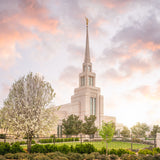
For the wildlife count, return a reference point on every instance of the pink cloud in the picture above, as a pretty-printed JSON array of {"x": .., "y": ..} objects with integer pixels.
[{"x": 18, "y": 27}]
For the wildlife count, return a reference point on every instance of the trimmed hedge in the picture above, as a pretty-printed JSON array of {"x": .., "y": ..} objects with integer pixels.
[
  {"x": 51, "y": 140},
  {"x": 7, "y": 148},
  {"x": 79, "y": 148}
]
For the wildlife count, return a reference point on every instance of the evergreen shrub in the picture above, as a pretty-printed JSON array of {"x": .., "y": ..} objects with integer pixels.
[{"x": 16, "y": 148}]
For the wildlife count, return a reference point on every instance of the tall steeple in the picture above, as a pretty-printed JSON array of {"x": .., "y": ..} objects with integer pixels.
[
  {"x": 87, "y": 53},
  {"x": 87, "y": 77}
]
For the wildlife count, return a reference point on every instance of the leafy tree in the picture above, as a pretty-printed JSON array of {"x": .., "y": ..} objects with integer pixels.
[
  {"x": 88, "y": 127},
  {"x": 155, "y": 130},
  {"x": 107, "y": 132},
  {"x": 125, "y": 132},
  {"x": 140, "y": 129},
  {"x": 72, "y": 125},
  {"x": 25, "y": 110}
]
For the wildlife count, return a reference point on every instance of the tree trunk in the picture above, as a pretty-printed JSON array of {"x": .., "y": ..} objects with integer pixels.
[
  {"x": 106, "y": 147},
  {"x": 29, "y": 140}
]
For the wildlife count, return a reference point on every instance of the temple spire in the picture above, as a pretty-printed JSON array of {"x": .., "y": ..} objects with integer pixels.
[{"x": 87, "y": 53}]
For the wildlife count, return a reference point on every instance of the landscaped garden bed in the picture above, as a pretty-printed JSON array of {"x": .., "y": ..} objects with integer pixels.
[{"x": 77, "y": 152}]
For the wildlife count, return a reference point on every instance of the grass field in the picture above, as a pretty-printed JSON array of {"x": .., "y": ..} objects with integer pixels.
[{"x": 115, "y": 145}]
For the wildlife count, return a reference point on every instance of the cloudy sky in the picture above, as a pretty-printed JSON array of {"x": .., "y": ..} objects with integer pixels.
[{"x": 48, "y": 37}]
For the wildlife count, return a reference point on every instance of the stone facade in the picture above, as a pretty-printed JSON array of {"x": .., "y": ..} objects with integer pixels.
[
  {"x": 87, "y": 99},
  {"x": 158, "y": 140}
]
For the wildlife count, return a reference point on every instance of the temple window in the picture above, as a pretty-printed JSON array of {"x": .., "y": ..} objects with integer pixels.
[
  {"x": 92, "y": 106},
  {"x": 90, "y": 81},
  {"x": 82, "y": 81}
]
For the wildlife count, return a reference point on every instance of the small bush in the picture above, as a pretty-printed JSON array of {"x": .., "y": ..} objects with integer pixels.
[
  {"x": 45, "y": 140},
  {"x": 89, "y": 156},
  {"x": 75, "y": 156},
  {"x": 51, "y": 148},
  {"x": 55, "y": 154},
  {"x": 64, "y": 149},
  {"x": 113, "y": 157},
  {"x": 148, "y": 157},
  {"x": 145, "y": 152},
  {"x": 2, "y": 157},
  {"x": 113, "y": 151},
  {"x": 41, "y": 157},
  {"x": 20, "y": 155},
  {"x": 9, "y": 156},
  {"x": 122, "y": 151},
  {"x": 76, "y": 139},
  {"x": 156, "y": 150},
  {"x": 60, "y": 158},
  {"x": 128, "y": 157},
  {"x": 157, "y": 156},
  {"x": 103, "y": 150},
  {"x": 4, "y": 148},
  {"x": 85, "y": 148},
  {"x": 16, "y": 148},
  {"x": 37, "y": 148}
]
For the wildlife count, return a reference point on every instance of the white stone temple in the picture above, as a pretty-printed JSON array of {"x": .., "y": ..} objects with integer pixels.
[{"x": 87, "y": 99}]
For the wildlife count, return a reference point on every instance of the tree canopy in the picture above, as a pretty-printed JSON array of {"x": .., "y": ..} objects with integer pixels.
[
  {"x": 88, "y": 127},
  {"x": 106, "y": 132},
  {"x": 72, "y": 125},
  {"x": 25, "y": 110},
  {"x": 125, "y": 132},
  {"x": 155, "y": 130},
  {"x": 140, "y": 129}
]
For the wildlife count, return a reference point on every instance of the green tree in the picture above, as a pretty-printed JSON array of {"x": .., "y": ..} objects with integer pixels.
[
  {"x": 26, "y": 110},
  {"x": 88, "y": 127},
  {"x": 155, "y": 130},
  {"x": 125, "y": 132},
  {"x": 140, "y": 129},
  {"x": 72, "y": 125},
  {"x": 107, "y": 132}
]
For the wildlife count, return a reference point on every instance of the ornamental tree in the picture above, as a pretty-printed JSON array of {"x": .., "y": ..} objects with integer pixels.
[
  {"x": 107, "y": 132},
  {"x": 26, "y": 111}
]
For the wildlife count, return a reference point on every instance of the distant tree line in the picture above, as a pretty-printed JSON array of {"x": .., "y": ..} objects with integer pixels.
[{"x": 139, "y": 130}]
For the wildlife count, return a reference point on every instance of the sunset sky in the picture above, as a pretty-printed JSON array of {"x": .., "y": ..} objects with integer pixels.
[{"x": 48, "y": 37}]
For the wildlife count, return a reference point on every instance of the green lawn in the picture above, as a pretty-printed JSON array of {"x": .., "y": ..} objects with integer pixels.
[{"x": 115, "y": 145}]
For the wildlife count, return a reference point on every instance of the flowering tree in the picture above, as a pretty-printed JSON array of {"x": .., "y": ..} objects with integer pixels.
[{"x": 26, "y": 110}]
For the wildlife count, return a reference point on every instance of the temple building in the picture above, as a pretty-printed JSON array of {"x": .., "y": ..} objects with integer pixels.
[{"x": 87, "y": 99}]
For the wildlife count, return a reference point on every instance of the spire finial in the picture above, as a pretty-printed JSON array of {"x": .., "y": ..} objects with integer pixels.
[
  {"x": 86, "y": 21},
  {"x": 87, "y": 54}
]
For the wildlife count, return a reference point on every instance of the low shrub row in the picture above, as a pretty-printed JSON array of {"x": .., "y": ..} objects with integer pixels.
[
  {"x": 7, "y": 148},
  {"x": 117, "y": 152},
  {"x": 76, "y": 156},
  {"x": 78, "y": 148},
  {"x": 52, "y": 140},
  {"x": 152, "y": 151},
  {"x": 24, "y": 142},
  {"x": 55, "y": 156}
]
